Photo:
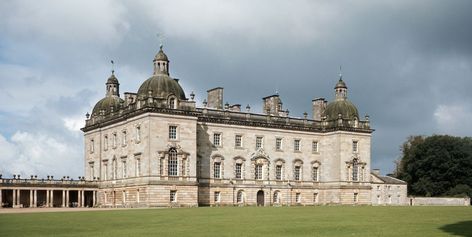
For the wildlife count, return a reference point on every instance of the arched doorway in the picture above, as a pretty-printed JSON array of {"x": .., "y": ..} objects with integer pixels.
[{"x": 260, "y": 198}]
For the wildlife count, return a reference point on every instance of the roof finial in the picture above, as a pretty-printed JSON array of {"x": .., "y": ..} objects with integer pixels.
[
  {"x": 112, "y": 67},
  {"x": 340, "y": 72},
  {"x": 161, "y": 38}
]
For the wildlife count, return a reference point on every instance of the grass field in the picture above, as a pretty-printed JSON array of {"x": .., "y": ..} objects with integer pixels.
[{"x": 247, "y": 221}]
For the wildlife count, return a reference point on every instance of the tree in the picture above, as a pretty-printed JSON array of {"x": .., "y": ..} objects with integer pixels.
[{"x": 438, "y": 165}]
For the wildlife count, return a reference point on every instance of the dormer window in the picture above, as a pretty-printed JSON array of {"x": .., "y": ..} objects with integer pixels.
[{"x": 172, "y": 103}]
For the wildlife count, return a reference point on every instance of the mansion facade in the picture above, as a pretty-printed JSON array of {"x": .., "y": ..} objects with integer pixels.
[{"x": 156, "y": 147}]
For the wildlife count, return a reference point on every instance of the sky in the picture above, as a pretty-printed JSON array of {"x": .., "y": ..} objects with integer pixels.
[{"x": 407, "y": 64}]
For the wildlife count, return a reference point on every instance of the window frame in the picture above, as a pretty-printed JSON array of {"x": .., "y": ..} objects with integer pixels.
[
  {"x": 278, "y": 144},
  {"x": 217, "y": 139},
  {"x": 173, "y": 132},
  {"x": 259, "y": 142},
  {"x": 240, "y": 145},
  {"x": 297, "y": 145}
]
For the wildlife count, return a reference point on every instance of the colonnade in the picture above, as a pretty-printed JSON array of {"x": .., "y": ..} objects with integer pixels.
[{"x": 40, "y": 197}]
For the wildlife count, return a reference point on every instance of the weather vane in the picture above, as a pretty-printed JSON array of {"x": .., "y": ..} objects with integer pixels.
[
  {"x": 161, "y": 38},
  {"x": 340, "y": 71},
  {"x": 112, "y": 67}
]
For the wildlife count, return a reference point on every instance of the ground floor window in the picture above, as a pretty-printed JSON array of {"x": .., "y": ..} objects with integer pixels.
[
  {"x": 298, "y": 198},
  {"x": 276, "y": 197},
  {"x": 217, "y": 197},
  {"x": 315, "y": 197},
  {"x": 240, "y": 197},
  {"x": 173, "y": 196},
  {"x": 356, "y": 197}
]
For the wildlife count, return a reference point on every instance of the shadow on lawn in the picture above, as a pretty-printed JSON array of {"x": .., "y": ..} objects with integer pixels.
[{"x": 463, "y": 228}]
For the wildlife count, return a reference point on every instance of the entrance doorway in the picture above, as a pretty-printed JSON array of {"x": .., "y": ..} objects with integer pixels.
[{"x": 260, "y": 198}]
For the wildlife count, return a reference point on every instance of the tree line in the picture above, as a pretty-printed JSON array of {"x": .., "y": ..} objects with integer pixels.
[{"x": 438, "y": 165}]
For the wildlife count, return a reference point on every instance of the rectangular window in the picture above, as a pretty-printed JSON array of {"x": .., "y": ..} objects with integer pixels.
[
  {"x": 123, "y": 138},
  {"x": 161, "y": 166},
  {"x": 355, "y": 146},
  {"x": 138, "y": 133},
  {"x": 278, "y": 144},
  {"x": 298, "y": 197},
  {"x": 92, "y": 145},
  {"x": 138, "y": 167},
  {"x": 115, "y": 169},
  {"x": 315, "y": 197},
  {"x": 278, "y": 172},
  {"x": 217, "y": 197},
  {"x": 296, "y": 145},
  {"x": 217, "y": 139},
  {"x": 124, "y": 170},
  {"x": 92, "y": 171},
  {"x": 258, "y": 172},
  {"x": 238, "y": 141},
  {"x": 173, "y": 196},
  {"x": 105, "y": 171},
  {"x": 173, "y": 132},
  {"x": 356, "y": 197},
  {"x": 314, "y": 146},
  {"x": 105, "y": 142},
  {"x": 314, "y": 173},
  {"x": 217, "y": 170},
  {"x": 238, "y": 170},
  {"x": 114, "y": 140},
  {"x": 259, "y": 142},
  {"x": 296, "y": 173},
  {"x": 172, "y": 164}
]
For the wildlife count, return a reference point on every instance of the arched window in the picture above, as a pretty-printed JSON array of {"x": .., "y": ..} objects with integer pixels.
[
  {"x": 172, "y": 163},
  {"x": 240, "y": 196},
  {"x": 172, "y": 103},
  {"x": 115, "y": 169},
  {"x": 276, "y": 198},
  {"x": 355, "y": 170},
  {"x": 315, "y": 171}
]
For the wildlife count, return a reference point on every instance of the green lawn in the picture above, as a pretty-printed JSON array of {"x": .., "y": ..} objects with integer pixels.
[{"x": 246, "y": 221}]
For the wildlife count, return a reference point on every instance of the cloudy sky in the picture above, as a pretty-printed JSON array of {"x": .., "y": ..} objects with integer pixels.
[{"x": 408, "y": 64}]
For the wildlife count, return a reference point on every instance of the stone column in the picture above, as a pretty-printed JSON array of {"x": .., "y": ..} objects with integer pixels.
[
  {"x": 35, "y": 194},
  {"x": 47, "y": 198},
  {"x": 52, "y": 198},
  {"x": 93, "y": 198},
  {"x": 18, "y": 199},
  {"x": 67, "y": 198},
  {"x": 63, "y": 198},
  {"x": 82, "y": 201},
  {"x": 31, "y": 198},
  {"x": 14, "y": 198},
  {"x": 1, "y": 201}
]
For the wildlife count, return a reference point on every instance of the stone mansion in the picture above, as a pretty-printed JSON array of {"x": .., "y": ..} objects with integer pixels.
[{"x": 156, "y": 147}]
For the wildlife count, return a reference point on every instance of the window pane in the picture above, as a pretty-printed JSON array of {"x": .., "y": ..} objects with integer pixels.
[
  {"x": 278, "y": 172},
  {"x": 238, "y": 171},
  {"x": 172, "y": 163},
  {"x": 173, "y": 132},
  {"x": 238, "y": 141},
  {"x": 217, "y": 139},
  {"x": 217, "y": 170},
  {"x": 258, "y": 174},
  {"x": 297, "y": 173}
]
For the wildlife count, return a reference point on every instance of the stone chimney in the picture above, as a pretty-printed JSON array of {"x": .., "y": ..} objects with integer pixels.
[
  {"x": 215, "y": 98},
  {"x": 272, "y": 105},
  {"x": 319, "y": 105}
]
